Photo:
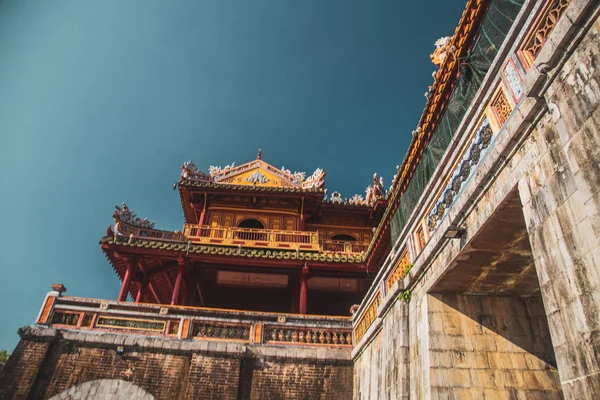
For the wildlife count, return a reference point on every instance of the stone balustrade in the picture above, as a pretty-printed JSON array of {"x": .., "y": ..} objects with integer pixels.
[{"x": 193, "y": 323}]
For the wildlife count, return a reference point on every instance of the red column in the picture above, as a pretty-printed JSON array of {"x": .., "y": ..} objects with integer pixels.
[
  {"x": 141, "y": 291},
  {"x": 178, "y": 281},
  {"x": 303, "y": 279},
  {"x": 126, "y": 281}
]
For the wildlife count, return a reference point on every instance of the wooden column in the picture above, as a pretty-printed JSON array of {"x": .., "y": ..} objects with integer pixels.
[
  {"x": 301, "y": 221},
  {"x": 178, "y": 281},
  {"x": 303, "y": 281},
  {"x": 142, "y": 290},
  {"x": 126, "y": 280},
  {"x": 203, "y": 212}
]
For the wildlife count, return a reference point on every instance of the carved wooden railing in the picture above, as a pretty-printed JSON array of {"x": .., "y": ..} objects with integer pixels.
[
  {"x": 261, "y": 238},
  {"x": 340, "y": 246},
  {"x": 195, "y": 323}
]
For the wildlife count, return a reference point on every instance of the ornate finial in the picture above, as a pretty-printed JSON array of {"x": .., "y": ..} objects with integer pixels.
[{"x": 259, "y": 156}]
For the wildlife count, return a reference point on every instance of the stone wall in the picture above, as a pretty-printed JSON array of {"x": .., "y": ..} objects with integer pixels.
[
  {"x": 48, "y": 362},
  {"x": 541, "y": 342},
  {"x": 490, "y": 347},
  {"x": 381, "y": 370},
  {"x": 561, "y": 204}
]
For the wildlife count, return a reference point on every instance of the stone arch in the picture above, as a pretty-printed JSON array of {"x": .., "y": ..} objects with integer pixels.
[{"x": 102, "y": 388}]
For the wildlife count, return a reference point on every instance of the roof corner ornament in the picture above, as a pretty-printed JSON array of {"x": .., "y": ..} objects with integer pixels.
[
  {"x": 189, "y": 171},
  {"x": 315, "y": 181},
  {"x": 125, "y": 215},
  {"x": 259, "y": 156},
  {"x": 375, "y": 191},
  {"x": 442, "y": 48}
]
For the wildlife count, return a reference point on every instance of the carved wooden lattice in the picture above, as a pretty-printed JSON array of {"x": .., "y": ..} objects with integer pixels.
[
  {"x": 314, "y": 336},
  {"x": 399, "y": 270},
  {"x": 367, "y": 318},
  {"x": 502, "y": 108},
  {"x": 543, "y": 29}
]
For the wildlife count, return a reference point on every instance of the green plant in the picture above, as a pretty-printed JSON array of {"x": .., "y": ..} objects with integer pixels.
[
  {"x": 405, "y": 296},
  {"x": 407, "y": 268},
  {"x": 4, "y": 355}
]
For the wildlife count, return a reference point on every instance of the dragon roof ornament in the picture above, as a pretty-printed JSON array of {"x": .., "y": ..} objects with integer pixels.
[
  {"x": 124, "y": 214},
  {"x": 442, "y": 48},
  {"x": 190, "y": 171}
]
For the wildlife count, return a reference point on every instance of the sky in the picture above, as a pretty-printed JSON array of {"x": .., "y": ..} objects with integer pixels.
[{"x": 101, "y": 101}]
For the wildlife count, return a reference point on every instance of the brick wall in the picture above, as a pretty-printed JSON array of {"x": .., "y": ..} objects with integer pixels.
[
  {"x": 281, "y": 379},
  {"x": 21, "y": 370},
  {"x": 47, "y": 362}
]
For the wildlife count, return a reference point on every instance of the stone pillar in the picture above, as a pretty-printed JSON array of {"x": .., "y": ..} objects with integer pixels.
[
  {"x": 178, "y": 282},
  {"x": 302, "y": 297},
  {"x": 126, "y": 281}
]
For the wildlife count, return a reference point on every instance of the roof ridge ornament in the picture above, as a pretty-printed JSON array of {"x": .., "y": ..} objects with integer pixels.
[
  {"x": 190, "y": 171},
  {"x": 124, "y": 214}
]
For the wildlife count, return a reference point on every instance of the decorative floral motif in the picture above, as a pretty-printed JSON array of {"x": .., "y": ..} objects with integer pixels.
[
  {"x": 336, "y": 198},
  {"x": 298, "y": 176},
  {"x": 217, "y": 170},
  {"x": 514, "y": 80},
  {"x": 545, "y": 26},
  {"x": 357, "y": 199},
  {"x": 257, "y": 177},
  {"x": 315, "y": 181},
  {"x": 124, "y": 214},
  {"x": 462, "y": 172}
]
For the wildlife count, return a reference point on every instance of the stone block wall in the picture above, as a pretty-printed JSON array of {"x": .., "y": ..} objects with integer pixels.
[
  {"x": 561, "y": 204},
  {"x": 381, "y": 369},
  {"x": 490, "y": 347}
]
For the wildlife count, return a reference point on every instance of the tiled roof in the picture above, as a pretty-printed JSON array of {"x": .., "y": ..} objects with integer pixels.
[
  {"x": 246, "y": 188},
  {"x": 191, "y": 248}
]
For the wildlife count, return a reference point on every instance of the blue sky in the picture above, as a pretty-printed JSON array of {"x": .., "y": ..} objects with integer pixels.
[{"x": 101, "y": 101}]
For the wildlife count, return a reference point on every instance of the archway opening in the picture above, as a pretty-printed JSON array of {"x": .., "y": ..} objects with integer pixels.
[
  {"x": 251, "y": 223},
  {"x": 344, "y": 237}
]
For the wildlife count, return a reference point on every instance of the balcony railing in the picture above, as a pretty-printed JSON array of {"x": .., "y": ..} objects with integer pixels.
[
  {"x": 148, "y": 233},
  {"x": 340, "y": 246},
  {"x": 195, "y": 323},
  {"x": 262, "y": 238}
]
